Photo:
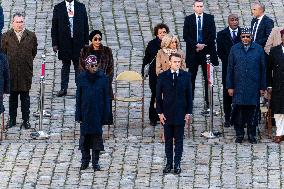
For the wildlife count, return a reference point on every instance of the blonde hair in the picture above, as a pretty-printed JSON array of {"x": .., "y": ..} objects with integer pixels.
[{"x": 167, "y": 39}]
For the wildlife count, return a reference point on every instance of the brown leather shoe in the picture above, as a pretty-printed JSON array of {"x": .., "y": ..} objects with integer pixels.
[{"x": 278, "y": 139}]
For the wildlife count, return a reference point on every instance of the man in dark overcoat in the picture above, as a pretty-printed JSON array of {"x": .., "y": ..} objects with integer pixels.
[
  {"x": 20, "y": 46},
  {"x": 246, "y": 80},
  {"x": 4, "y": 80},
  {"x": 276, "y": 81},
  {"x": 225, "y": 40},
  {"x": 69, "y": 33},
  {"x": 261, "y": 24},
  {"x": 199, "y": 33},
  {"x": 174, "y": 107},
  {"x": 92, "y": 110}
]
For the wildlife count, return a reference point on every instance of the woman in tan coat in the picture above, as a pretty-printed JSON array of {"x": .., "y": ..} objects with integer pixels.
[
  {"x": 170, "y": 44},
  {"x": 274, "y": 39}
]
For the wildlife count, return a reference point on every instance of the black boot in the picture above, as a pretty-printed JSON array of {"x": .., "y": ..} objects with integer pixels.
[
  {"x": 168, "y": 168},
  {"x": 95, "y": 162},
  {"x": 11, "y": 123},
  {"x": 177, "y": 168},
  {"x": 84, "y": 166},
  {"x": 26, "y": 124}
]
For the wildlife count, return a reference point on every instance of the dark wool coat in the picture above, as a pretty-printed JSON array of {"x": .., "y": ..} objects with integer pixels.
[
  {"x": 246, "y": 73},
  {"x": 4, "y": 79},
  {"x": 106, "y": 62},
  {"x": 224, "y": 44},
  {"x": 276, "y": 78},
  {"x": 20, "y": 58},
  {"x": 190, "y": 37},
  {"x": 174, "y": 101},
  {"x": 92, "y": 102},
  {"x": 264, "y": 30},
  {"x": 61, "y": 34}
]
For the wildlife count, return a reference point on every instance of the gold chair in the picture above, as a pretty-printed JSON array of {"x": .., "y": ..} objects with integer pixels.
[
  {"x": 265, "y": 110},
  {"x": 129, "y": 77}
]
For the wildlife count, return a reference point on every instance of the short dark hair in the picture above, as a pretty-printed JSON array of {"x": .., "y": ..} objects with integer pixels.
[
  {"x": 195, "y": 1},
  {"x": 161, "y": 26},
  {"x": 18, "y": 14},
  {"x": 174, "y": 55}
]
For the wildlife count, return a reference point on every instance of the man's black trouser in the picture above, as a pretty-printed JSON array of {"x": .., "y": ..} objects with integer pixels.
[
  {"x": 194, "y": 70},
  {"x": 25, "y": 104},
  {"x": 227, "y": 103},
  {"x": 173, "y": 132},
  {"x": 245, "y": 114},
  {"x": 65, "y": 71},
  {"x": 153, "y": 115}
]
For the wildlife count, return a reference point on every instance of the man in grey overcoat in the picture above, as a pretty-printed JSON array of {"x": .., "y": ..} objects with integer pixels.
[
  {"x": 246, "y": 81},
  {"x": 20, "y": 46}
]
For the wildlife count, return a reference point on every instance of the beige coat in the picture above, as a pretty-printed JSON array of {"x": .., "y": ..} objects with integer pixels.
[
  {"x": 274, "y": 39},
  {"x": 162, "y": 61}
]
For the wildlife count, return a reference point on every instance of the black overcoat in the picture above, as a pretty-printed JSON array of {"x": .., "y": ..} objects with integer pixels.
[
  {"x": 190, "y": 37},
  {"x": 276, "y": 78},
  {"x": 4, "y": 79},
  {"x": 174, "y": 101},
  {"x": 61, "y": 34},
  {"x": 92, "y": 102},
  {"x": 20, "y": 57}
]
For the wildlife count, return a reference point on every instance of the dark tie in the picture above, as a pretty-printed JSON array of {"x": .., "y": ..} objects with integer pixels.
[
  {"x": 174, "y": 78},
  {"x": 234, "y": 35},
  {"x": 254, "y": 29},
  {"x": 69, "y": 7},
  {"x": 199, "y": 29}
]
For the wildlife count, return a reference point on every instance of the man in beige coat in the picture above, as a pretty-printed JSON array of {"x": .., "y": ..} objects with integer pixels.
[{"x": 20, "y": 46}]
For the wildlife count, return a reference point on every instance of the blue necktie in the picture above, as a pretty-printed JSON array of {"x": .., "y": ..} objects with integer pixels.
[
  {"x": 199, "y": 38},
  {"x": 234, "y": 36}
]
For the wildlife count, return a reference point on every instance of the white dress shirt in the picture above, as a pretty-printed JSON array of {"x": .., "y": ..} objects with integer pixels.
[
  {"x": 259, "y": 20},
  {"x": 70, "y": 15},
  {"x": 231, "y": 32}
]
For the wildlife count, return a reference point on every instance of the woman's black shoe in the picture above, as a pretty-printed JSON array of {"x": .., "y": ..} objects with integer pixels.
[
  {"x": 97, "y": 167},
  {"x": 84, "y": 166},
  {"x": 153, "y": 123},
  {"x": 168, "y": 168},
  {"x": 177, "y": 169}
]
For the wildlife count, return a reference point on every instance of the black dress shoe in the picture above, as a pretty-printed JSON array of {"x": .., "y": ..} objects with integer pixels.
[
  {"x": 168, "y": 168},
  {"x": 97, "y": 167},
  {"x": 61, "y": 93},
  {"x": 11, "y": 123},
  {"x": 84, "y": 166},
  {"x": 26, "y": 125},
  {"x": 239, "y": 140},
  {"x": 177, "y": 169},
  {"x": 227, "y": 124},
  {"x": 252, "y": 140},
  {"x": 153, "y": 123}
]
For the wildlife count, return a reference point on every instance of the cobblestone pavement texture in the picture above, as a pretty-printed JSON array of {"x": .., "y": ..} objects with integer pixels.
[{"x": 133, "y": 157}]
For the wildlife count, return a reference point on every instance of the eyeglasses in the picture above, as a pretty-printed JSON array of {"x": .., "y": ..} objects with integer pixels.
[
  {"x": 97, "y": 39},
  {"x": 93, "y": 65},
  {"x": 245, "y": 36}
]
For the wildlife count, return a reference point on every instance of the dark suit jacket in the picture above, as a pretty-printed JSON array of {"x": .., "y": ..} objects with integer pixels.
[
  {"x": 190, "y": 37},
  {"x": 61, "y": 34},
  {"x": 224, "y": 44},
  {"x": 264, "y": 30},
  {"x": 174, "y": 101}
]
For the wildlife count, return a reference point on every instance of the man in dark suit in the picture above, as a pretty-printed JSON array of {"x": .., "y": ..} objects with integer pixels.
[
  {"x": 174, "y": 107},
  {"x": 261, "y": 24},
  {"x": 225, "y": 40},
  {"x": 199, "y": 33},
  {"x": 69, "y": 33}
]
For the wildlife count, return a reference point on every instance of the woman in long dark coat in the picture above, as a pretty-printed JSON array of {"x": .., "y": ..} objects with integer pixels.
[
  {"x": 92, "y": 109},
  {"x": 151, "y": 51},
  {"x": 105, "y": 61},
  {"x": 276, "y": 81}
]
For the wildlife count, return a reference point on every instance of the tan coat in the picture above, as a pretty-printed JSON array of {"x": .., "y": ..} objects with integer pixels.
[
  {"x": 162, "y": 61},
  {"x": 20, "y": 57},
  {"x": 274, "y": 39}
]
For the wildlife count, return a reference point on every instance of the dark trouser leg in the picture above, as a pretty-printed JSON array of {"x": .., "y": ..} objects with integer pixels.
[
  {"x": 65, "y": 71},
  {"x": 227, "y": 103},
  {"x": 85, "y": 150},
  {"x": 153, "y": 115},
  {"x": 193, "y": 72},
  {"x": 25, "y": 105},
  {"x": 95, "y": 157},
  {"x": 178, "y": 136},
  {"x": 13, "y": 105},
  {"x": 169, "y": 135},
  {"x": 204, "y": 72},
  {"x": 76, "y": 68},
  {"x": 239, "y": 122},
  {"x": 251, "y": 113}
]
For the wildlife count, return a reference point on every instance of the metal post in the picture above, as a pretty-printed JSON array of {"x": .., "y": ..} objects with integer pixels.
[
  {"x": 41, "y": 134},
  {"x": 210, "y": 71}
]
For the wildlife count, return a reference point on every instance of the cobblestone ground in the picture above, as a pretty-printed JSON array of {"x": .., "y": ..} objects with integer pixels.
[{"x": 133, "y": 157}]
